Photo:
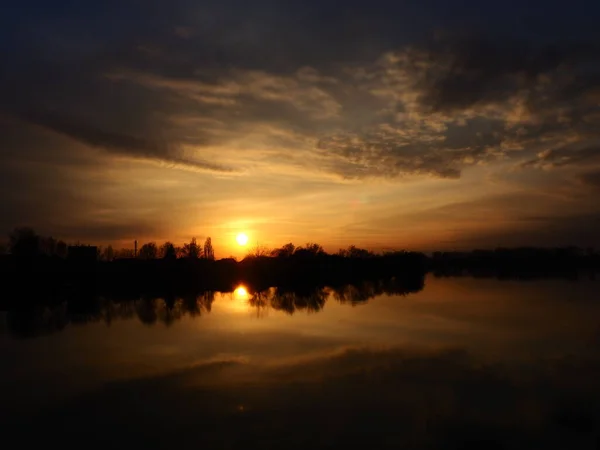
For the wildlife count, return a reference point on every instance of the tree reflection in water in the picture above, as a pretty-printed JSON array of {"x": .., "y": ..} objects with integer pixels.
[{"x": 168, "y": 309}]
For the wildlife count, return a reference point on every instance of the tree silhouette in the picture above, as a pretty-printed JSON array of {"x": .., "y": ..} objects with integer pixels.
[
  {"x": 48, "y": 245},
  {"x": 315, "y": 249},
  {"x": 312, "y": 300},
  {"x": 309, "y": 250},
  {"x": 148, "y": 251},
  {"x": 284, "y": 252},
  {"x": 258, "y": 252},
  {"x": 192, "y": 250},
  {"x": 146, "y": 311},
  {"x": 108, "y": 254},
  {"x": 24, "y": 242},
  {"x": 168, "y": 251},
  {"x": 124, "y": 253},
  {"x": 209, "y": 252},
  {"x": 355, "y": 252},
  {"x": 61, "y": 249}
]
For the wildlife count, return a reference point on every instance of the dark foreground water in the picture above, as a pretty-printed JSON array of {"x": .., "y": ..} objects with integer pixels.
[{"x": 465, "y": 363}]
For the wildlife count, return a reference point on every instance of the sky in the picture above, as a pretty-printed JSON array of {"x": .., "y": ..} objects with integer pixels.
[{"x": 422, "y": 125}]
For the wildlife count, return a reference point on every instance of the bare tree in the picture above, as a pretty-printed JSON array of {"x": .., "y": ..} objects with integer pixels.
[{"x": 259, "y": 251}]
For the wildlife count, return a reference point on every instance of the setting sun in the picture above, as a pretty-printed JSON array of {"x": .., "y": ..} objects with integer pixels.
[{"x": 242, "y": 239}]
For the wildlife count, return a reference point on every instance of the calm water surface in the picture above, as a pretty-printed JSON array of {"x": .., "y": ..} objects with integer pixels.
[{"x": 465, "y": 363}]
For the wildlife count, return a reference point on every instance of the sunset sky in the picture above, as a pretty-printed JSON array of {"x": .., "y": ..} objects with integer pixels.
[{"x": 387, "y": 124}]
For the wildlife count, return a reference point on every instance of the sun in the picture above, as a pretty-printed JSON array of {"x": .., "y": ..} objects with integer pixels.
[{"x": 242, "y": 239}]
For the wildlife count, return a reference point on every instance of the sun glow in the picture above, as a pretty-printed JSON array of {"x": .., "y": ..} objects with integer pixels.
[
  {"x": 239, "y": 300},
  {"x": 242, "y": 239},
  {"x": 240, "y": 293}
]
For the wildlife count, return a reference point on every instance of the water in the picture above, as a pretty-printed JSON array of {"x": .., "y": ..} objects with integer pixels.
[{"x": 464, "y": 363}]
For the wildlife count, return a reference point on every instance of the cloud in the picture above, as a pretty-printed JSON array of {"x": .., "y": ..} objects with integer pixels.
[
  {"x": 460, "y": 102},
  {"x": 482, "y": 70},
  {"x": 563, "y": 157},
  {"x": 237, "y": 87},
  {"x": 387, "y": 154},
  {"x": 118, "y": 143},
  {"x": 387, "y": 109}
]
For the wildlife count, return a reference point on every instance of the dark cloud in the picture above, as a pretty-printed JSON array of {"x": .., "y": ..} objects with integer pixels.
[
  {"x": 116, "y": 142},
  {"x": 481, "y": 70},
  {"x": 459, "y": 102}
]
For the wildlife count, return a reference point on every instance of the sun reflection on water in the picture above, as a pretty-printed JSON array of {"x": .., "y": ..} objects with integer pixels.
[
  {"x": 241, "y": 293},
  {"x": 240, "y": 298}
]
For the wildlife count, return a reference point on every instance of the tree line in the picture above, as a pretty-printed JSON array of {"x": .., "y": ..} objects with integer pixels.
[
  {"x": 168, "y": 250},
  {"x": 312, "y": 249},
  {"x": 25, "y": 242}
]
